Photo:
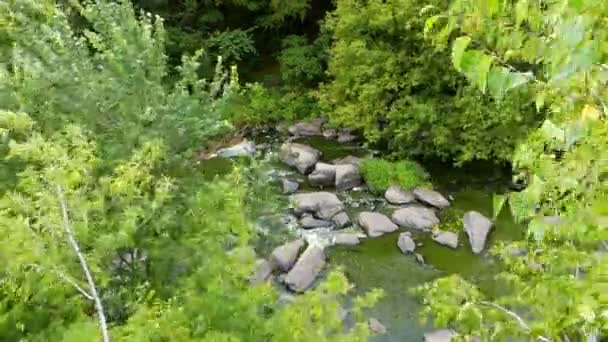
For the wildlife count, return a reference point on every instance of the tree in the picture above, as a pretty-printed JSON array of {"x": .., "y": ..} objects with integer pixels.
[{"x": 555, "y": 280}]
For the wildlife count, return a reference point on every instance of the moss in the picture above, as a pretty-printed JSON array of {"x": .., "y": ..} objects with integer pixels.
[
  {"x": 451, "y": 220},
  {"x": 380, "y": 174}
]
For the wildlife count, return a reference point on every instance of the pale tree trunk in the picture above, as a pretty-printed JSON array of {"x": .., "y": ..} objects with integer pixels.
[{"x": 67, "y": 226}]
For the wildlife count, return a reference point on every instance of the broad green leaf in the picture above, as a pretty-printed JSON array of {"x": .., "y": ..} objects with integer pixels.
[
  {"x": 498, "y": 202},
  {"x": 458, "y": 49}
]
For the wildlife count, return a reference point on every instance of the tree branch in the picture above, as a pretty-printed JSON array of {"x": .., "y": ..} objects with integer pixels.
[
  {"x": 65, "y": 278},
  {"x": 67, "y": 226},
  {"x": 515, "y": 316}
]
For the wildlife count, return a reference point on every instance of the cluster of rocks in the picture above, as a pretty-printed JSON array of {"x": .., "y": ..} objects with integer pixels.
[{"x": 316, "y": 127}]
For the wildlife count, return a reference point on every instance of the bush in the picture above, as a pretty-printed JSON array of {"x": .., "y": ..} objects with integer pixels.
[
  {"x": 380, "y": 174},
  {"x": 300, "y": 61}
]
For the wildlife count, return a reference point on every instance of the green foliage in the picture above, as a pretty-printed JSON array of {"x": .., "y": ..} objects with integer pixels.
[
  {"x": 256, "y": 105},
  {"x": 388, "y": 80},
  {"x": 555, "y": 280},
  {"x": 451, "y": 220},
  {"x": 301, "y": 62},
  {"x": 231, "y": 45},
  {"x": 380, "y": 174}
]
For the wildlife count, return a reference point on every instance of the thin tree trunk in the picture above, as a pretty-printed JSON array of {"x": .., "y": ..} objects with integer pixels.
[{"x": 67, "y": 226}]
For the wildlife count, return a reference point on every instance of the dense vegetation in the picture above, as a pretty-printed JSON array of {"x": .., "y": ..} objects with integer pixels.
[{"x": 107, "y": 224}]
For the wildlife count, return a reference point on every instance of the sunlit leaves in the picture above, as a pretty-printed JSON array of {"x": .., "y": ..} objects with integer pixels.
[{"x": 458, "y": 49}]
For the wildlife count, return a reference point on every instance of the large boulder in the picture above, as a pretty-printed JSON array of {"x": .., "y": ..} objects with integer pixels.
[
  {"x": 309, "y": 222},
  {"x": 347, "y": 177},
  {"x": 396, "y": 195},
  {"x": 300, "y": 156},
  {"x": 305, "y": 271},
  {"x": 346, "y": 239},
  {"x": 446, "y": 238},
  {"x": 305, "y": 129},
  {"x": 341, "y": 220},
  {"x": 477, "y": 228},
  {"x": 243, "y": 149},
  {"x": 376, "y": 224},
  {"x": 443, "y": 335},
  {"x": 348, "y": 160},
  {"x": 415, "y": 217},
  {"x": 405, "y": 243},
  {"x": 431, "y": 197},
  {"x": 323, "y": 175},
  {"x": 284, "y": 257},
  {"x": 324, "y": 205}
]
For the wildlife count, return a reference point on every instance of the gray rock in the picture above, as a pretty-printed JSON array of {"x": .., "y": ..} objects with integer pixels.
[
  {"x": 396, "y": 195},
  {"x": 446, "y": 238},
  {"x": 405, "y": 243},
  {"x": 324, "y": 205},
  {"x": 289, "y": 187},
  {"x": 305, "y": 129},
  {"x": 347, "y": 177},
  {"x": 348, "y": 160},
  {"x": 263, "y": 270},
  {"x": 419, "y": 258},
  {"x": 443, "y": 335},
  {"x": 376, "y": 327},
  {"x": 432, "y": 198},
  {"x": 376, "y": 224},
  {"x": 285, "y": 256},
  {"x": 341, "y": 220},
  {"x": 415, "y": 217},
  {"x": 323, "y": 175},
  {"x": 345, "y": 136},
  {"x": 477, "y": 228},
  {"x": 243, "y": 149},
  {"x": 309, "y": 222},
  {"x": 300, "y": 156},
  {"x": 305, "y": 271},
  {"x": 346, "y": 239},
  {"x": 330, "y": 133}
]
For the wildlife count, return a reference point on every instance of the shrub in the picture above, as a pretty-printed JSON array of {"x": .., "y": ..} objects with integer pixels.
[
  {"x": 380, "y": 174},
  {"x": 300, "y": 61}
]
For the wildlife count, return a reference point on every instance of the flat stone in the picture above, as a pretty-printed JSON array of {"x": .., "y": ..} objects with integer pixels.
[
  {"x": 289, "y": 187},
  {"x": 431, "y": 197},
  {"x": 347, "y": 177},
  {"x": 330, "y": 133},
  {"x": 323, "y": 175},
  {"x": 396, "y": 195},
  {"x": 346, "y": 239},
  {"x": 341, "y": 220},
  {"x": 348, "y": 160},
  {"x": 325, "y": 205},
  {"x": 309, "y": 222},
  {"x": 307, "y": 268},
  {"x": 345, "y": 136},
  {"x": 263, "y": 270},
  {"x": 285, "y": 256},
  {"x": 415, "y": 217},
  {"x": 477, "y": 228},
  {"x": 305, "y": 129},
  {"x": 243, "y": 149},
  {"x": 405, "y": 243},
  {"x": 376, "y": 327},
  {"x": 443, "y": 335},
  {"x": 446, "y": 238},
  {"x": 376, "y": 224},
  {"x": 300, "y": 156}
]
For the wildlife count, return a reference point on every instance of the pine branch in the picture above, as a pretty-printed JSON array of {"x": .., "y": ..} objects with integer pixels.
[{"x": 67, "y": 226}]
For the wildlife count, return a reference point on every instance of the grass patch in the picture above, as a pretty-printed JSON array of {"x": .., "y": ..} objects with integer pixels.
[{"x": 380, "y": 174}]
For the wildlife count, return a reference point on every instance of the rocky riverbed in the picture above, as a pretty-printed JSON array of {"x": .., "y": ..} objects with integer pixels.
[{"x": 390, "y": 242}]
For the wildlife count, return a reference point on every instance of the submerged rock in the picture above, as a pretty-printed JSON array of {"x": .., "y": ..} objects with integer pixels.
[
  {"x": 263, "y": 270},
  {"x": 309, "y": 222},
  {"x": 300, "y": 156},
  {"x": 477, "y": 228},
  {"x": 243, "y": 149},
  {"x": 446, "y": 238},
  {"x": 431, "y": 197},
  {"x": 376, "y": 224},
  {"x": 323, "y": 175},
  {"x": 289, "y": 187},
  {"x": 324, "y": 205},
  {"x": 376, "y": 327},
  {"x": 346, "y": 239},
  {"x": 307, "y": 268},
  {"x": 443, "y": 335},
  {"x": 347, "y": 177},
  {"x": 306, "y": 129},
  {"x": 405, "y": 243},
  {"x": 415, "y": 217},
  {"x": 341, "y": 220},
  {"x": 285, "y": 256},
  {"x": 396, "y": 195}
]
